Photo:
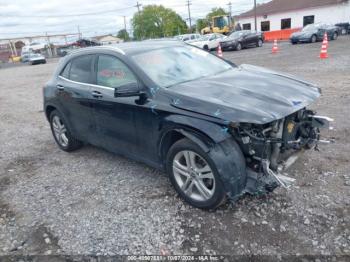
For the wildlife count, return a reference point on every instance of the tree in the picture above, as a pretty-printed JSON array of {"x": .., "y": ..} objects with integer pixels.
[
  {"x": 123, "y": 34},
  {"x": 204, "y": 22},
  {"x": 215, "y": 12},
  {"x": 201, "y": 23},
  {"x": 157, "y": 21}
]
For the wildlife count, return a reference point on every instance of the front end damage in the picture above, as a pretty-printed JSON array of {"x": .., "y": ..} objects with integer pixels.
[{"x": 270, "y": 149}]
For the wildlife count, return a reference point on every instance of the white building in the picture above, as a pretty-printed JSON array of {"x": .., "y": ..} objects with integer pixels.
[
  {"x": 108, "y": 39},
  {"x": 289, "y": 14}
]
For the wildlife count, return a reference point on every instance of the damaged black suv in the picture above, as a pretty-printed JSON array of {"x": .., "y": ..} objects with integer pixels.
[{"x": 217, "y": 129}]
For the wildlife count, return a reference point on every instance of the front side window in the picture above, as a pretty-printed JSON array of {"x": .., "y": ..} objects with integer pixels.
[
  {"x": 80, "y": 70},
  {"x": 174, "y": 65},
  {"x": 112, "y": 72}
]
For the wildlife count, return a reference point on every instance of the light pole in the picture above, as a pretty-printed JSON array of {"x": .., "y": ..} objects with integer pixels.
[{"x": 255, "y": 23}]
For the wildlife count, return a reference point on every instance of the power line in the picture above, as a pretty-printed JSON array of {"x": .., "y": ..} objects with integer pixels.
[{"x": 68, "y": 15}]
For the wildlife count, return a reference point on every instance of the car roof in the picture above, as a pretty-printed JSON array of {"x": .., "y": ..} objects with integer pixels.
[{"x": 130, "y": 48}]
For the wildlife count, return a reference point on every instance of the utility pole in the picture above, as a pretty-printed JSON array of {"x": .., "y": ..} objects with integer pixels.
[
  {"x": 49, "y": 44},
  {"x": 189, "y": 14},
  {"x": 79, "y": 34},
  {"x": 125, "y": 28},
  {"x": 138, "y": 5},
  {"x": 255, "y": 22},
  {"x": 230, "y": 13}
]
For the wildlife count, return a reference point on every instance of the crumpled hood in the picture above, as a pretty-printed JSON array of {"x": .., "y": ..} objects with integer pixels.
[{"x": 246, "y": 94}]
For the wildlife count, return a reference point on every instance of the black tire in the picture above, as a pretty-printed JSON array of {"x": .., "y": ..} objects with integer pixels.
[
  {"x": 219, "y": 194},
  {"x": 239, "y": 47},
  {"x": 259, "y": 43},
  {"x": 73, "y": 143},
  {"x": 313, "y": 39},
  {"x": 294, "y": 43},
  {"x": 206, "y": 48},
  {"x": 335, "y": 36}
]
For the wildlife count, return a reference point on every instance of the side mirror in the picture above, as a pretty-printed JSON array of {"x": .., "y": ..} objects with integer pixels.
[{"x": 127, "y": 90}]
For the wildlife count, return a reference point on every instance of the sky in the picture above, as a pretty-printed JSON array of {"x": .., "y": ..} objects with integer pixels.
[{"x": 37, "y": 17}]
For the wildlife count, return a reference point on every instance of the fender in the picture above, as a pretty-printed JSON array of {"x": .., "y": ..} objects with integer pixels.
[
  {"x": 214, "y": 131},
  {"x": 220, "y": 146}
]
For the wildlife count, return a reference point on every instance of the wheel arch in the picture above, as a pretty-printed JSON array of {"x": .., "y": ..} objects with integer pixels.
[
  {"x": 176, "y": 127},
  {"x": 48, "y": 110},
  {"x": 220, "y": 146}
]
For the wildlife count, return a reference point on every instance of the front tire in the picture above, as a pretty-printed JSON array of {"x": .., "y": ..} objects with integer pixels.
[
  {"x": 259, "y": 43},
  {"x": 194, "y": 175},
  {"x": 313, "y": 39},
  {"x": 62, "y": 134},
  {"x": 239, "y": 47}
]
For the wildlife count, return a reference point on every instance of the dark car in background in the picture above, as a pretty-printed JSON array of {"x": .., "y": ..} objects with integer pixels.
[
  {"x": 242, "y": 39},
  {"x": 315, "y": 32},
  {"x": 344, "y": 28},
  {"x": 217, "y": 129}
]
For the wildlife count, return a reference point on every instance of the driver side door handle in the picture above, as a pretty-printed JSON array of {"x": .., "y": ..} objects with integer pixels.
[
  {"x": 96, "y": 94},
  {"x": 59, "y": 87}
]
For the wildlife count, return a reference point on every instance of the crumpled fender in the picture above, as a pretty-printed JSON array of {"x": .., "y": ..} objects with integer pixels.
[
  {"x": 231, "y": 166},
  {"x": 214, "y": 131}
]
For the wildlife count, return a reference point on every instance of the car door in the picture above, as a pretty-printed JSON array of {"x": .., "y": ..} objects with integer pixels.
[
  {"x": 74, "y": 95},
  {"x": 251, "y": 38},
  {"x": 321, "y": 30},
  {"x": 114, "y": 116},
  {"x": 212, "y": 42}
]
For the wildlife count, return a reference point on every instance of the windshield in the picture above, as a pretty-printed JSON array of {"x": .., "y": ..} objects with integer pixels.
[
  {"x": 171, "y": 66},
  {"x": 205, "y": 37},
  {"x": 237, "y": 34},
  {"x": 310, "y": 27}
]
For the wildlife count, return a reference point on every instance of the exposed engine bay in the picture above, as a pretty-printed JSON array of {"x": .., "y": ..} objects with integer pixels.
[{"x": 272, "y": 148}]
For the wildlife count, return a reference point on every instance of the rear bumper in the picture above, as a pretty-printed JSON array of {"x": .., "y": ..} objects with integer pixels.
[{"x": 35, "y": 62}]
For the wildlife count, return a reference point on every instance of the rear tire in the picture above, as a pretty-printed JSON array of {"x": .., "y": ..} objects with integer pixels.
[
  {"x": 259, "y": 43},
  {"x": 206, "y": 48},
  {"x": 62, "y": 134},
  {"x": 335, "y": 36},
  {"x": 186, "y": 165}
]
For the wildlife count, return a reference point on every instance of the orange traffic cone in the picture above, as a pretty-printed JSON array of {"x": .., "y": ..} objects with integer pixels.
[
  {"x": 275, "y": 47},
  {"x": 219, "y": 51},
  {"x": 325, "y": 38},
  {"x": 324, "y": 53}
]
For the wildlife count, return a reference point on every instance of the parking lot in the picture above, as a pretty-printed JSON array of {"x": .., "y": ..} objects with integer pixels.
[{"x": 93, "y": 202}]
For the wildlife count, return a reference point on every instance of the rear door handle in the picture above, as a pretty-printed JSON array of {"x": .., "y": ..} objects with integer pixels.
[
  {"x": 96, "y": 94},
  {"x": 59, "y": 87}
]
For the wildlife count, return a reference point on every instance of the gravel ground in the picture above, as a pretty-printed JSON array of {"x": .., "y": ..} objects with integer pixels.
[{"x": 95, "y": 203}]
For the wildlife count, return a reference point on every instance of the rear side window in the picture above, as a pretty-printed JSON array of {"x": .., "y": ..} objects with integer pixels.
[
  {"x": 80, "y": 70},
  {"x": 65, "y": 72}
]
